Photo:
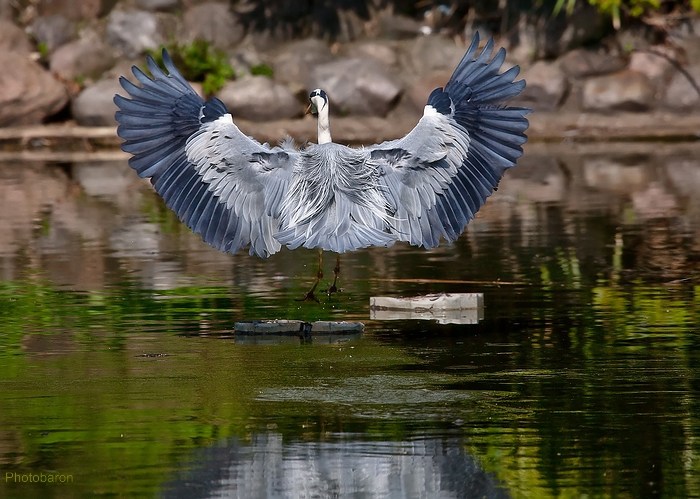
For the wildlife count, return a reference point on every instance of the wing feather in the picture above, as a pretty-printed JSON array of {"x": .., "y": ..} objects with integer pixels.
[
  {"x": 206, "y": 170},
  {"x": 437, "y": 177}
]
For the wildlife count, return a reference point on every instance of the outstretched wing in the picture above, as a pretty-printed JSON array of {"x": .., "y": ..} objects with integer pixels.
[
  {"x": 221, "y": 183},
  {"x": 437, "y": 177}
]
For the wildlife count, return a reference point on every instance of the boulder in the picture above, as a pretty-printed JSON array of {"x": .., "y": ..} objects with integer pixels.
[
  {"x": 546, "y": 87},
  {"x": 7, "y": 9},
  {"x": 243, "y": 59},
  {"x": 428, "y": 54},
  {"x": 686, "y": 35},
  {"x": 654, "y": 63},
  {"x": 28, "y": 93},
  {"x": 52, "y": 31},
  {"x": 158, "y": 5},
  {"x": 295, "y": 61},
  {"x": 95, "y": 105},
  {"x": 214, "y": 22},
  {"x": 75, "y": 9},
  {"x": 539, "y": 35},
  {"x": 87, "y": 57},
  {"x": 681, "y": 94},
  {"x": 13, "y": 38},
  {"x": 396, "y": 26},
  {"x": 565, "y": 33},
  {"x": 259, "y": 98},
  {"x": 356, "y": 86},
  {"x": 380, "y": 51},
  {"x": 421, "y": 89},
  {"x": 580, "y": 63},
  {"x": 623, "y": 91},
  {"x": 134, "y": 32}
]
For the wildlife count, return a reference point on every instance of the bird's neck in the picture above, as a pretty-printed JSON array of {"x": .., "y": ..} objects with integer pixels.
[{"x": 324, "y": 126}]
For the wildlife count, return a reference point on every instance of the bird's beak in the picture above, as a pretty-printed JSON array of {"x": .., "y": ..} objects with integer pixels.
[{"x": 312, "y": 109}]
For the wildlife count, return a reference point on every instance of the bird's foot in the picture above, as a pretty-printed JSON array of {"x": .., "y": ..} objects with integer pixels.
[
  {"x": 336, "y": 271},
  {"x": 309, "y": 296}
]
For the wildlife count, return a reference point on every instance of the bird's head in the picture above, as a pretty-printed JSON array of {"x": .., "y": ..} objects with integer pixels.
[{"x": 318, "y": 100}]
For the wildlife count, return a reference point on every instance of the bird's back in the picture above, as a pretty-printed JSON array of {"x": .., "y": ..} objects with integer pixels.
[{"x": 334, "y": 202}]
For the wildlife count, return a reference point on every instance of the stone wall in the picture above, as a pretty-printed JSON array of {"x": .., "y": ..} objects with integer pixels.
[{"x": 66, "y": 57}]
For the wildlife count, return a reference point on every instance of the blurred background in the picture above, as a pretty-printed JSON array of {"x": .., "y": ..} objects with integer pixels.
[{"x": 263, "y": 57}]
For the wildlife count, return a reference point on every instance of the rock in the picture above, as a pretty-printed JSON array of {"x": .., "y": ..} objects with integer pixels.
[
  {"x": 158, "y": 5},
  {"x": 546, "y": 87},
  {"x": 243, "y": 60},
  {"x": 28, "y": 93},
  {"x": 53, "y": 31},
  {"x": 382, "y": 52},
  {"x": 541, "y": 35},
  {"x": 635, "y": 37},
  {"x": 87, "y": 57},
  {"x": 523, "y": 43},
  {"x": 681, "y": 95},
  {"x": 95, "y": 105},
  {"x": 134, "y": 32},
  {"x": 259, "y": 98},
  {"x": 428, "y": 54},
  {"x": 420, "y": 91},
  {"x": 397, "y": 27},
  {"x": 356, "y": 86},
  {"x": 686, "y": 35},
  {"x": 215, "y": 23},
  {"x": 13, "y": 39},
  {"x": 350, "y": 26},
  {"x": 655, "y": 64},
  {"x": 579, "y": 63},
  {"x": 565, "y": 33},
  {"x": 293, "y": 64},
  {"x": 75, "y": 9},
  {"x": 623, "y": 91},
  {"x": 7, "y": 11}
]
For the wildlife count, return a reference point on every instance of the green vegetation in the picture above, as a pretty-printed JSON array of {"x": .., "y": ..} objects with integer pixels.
[
  {"x": 199, "y": 61},
  {"x": 617, "y": 8},
  {"x": 261, "y": 70}
]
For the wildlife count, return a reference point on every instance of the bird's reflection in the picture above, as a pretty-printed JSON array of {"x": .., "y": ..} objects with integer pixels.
[{"x": 269, "y": 467}]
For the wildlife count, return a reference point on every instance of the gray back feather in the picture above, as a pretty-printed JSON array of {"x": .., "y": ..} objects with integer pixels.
[{"x": 334, "y": 202}]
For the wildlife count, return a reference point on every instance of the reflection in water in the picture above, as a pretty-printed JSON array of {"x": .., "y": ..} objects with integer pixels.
[
  {"x": 118, "y": 361},
  {"x": 268, "y": 467}
]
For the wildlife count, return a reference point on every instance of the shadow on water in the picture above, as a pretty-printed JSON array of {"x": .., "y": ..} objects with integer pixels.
[{"x": 119, "y": 365}]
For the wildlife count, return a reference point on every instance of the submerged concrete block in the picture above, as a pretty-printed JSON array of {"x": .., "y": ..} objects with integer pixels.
[{"x": 433, "y": 302}]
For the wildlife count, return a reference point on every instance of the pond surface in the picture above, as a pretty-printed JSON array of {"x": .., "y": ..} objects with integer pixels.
[{"x": 121, "y": 376}]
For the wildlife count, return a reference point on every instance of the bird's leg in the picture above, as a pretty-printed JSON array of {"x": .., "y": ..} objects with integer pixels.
[
  {"x": 309, "y": 296},
  {"x": 336, "y": 271}
]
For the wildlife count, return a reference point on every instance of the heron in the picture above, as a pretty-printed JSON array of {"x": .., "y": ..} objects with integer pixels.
[{"x": 237, "y": 192}]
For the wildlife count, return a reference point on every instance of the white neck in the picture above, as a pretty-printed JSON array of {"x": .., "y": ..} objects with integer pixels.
[{"x": 324, "y": 126}]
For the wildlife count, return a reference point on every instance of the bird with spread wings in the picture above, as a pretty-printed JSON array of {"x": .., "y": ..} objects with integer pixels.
[{"x": 237, "y": 192}]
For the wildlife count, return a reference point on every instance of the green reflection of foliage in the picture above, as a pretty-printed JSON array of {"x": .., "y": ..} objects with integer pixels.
[
  {"x": 644, "y": 311},
  {"x": 122, "y": 421},
  {"x": 125, "y": 400}
]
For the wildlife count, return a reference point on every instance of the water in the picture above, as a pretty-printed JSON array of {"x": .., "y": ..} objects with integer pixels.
[{"x": 121, "y": 376}]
